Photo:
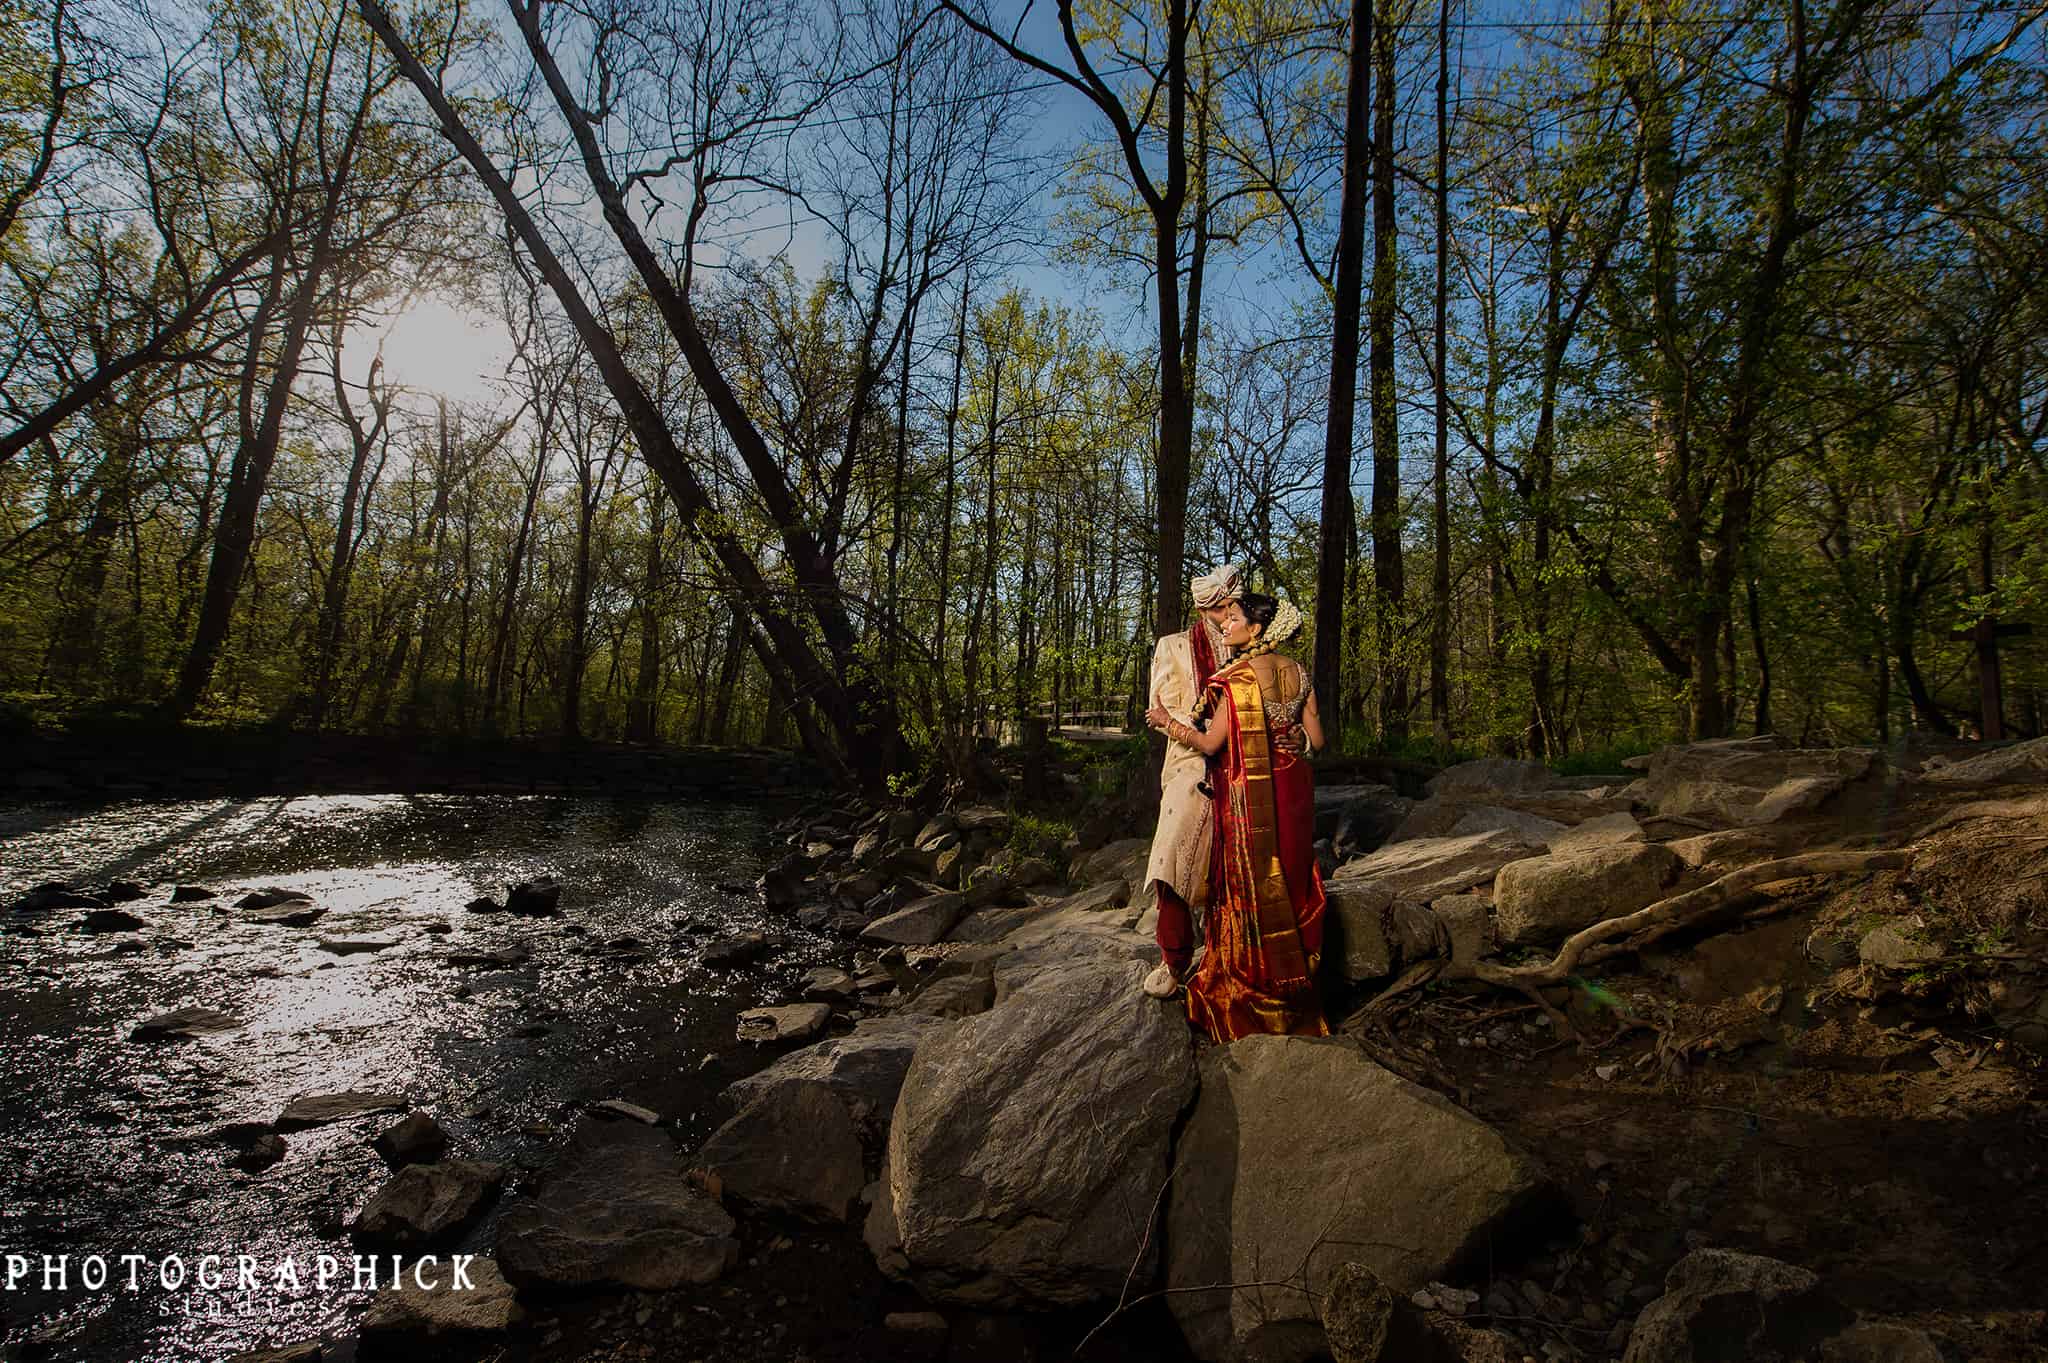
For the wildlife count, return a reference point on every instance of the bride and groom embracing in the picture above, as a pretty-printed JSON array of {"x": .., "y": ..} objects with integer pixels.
[{"x": 1237, "y": 817}]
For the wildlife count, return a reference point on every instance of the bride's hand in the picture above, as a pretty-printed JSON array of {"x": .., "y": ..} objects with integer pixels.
[{"x": 1156, "y": 717}]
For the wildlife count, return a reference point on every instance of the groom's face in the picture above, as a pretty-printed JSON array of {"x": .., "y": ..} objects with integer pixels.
[{"x": 1219, "y": 612}]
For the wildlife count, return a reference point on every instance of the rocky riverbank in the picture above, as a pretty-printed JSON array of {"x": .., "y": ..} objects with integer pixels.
[
  {"x": 1730, "y": 1130},
  {"x": 1738, "y": 1056}
]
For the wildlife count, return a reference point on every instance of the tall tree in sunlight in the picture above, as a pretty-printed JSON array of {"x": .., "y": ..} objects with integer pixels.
[
  {"x": 304, "y": 101},
  {"x": 1150, "y": 126}
]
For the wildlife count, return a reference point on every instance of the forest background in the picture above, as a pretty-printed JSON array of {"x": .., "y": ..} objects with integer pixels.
[{"x": 877, "y": 375}]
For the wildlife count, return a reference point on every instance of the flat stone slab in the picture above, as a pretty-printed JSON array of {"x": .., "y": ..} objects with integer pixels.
[
  {"x": 295, "y": 914},
  {"x": 321, "y": 1108},
  {"x": 618, "y": 1209},
  {"x": 184, "y": 1024},
  {"x": 1424, "y": 869},
  {"x": 829, "y": 984},
  {"x": 1489, "y": 775},
  {"x": 792, "y": 1022},
  {"x": 922, "y": 922},
  {"x": 43, "y": 898},
  {"x": 352, "y": 946},
  {"x": 516, "y": 954},
  {"x": 271, "y": 897},
  {"x": 1531, "y": 828}
]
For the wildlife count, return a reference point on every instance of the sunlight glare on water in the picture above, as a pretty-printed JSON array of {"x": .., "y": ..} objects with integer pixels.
[{"x": 113, "y": 1145}]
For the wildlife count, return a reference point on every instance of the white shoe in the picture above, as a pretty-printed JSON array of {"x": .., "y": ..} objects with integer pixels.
[{"x": 1161, "y": 984}]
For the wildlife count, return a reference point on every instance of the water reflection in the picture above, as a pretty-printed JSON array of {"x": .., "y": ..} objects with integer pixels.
[{"x": 112, "y": 1146}]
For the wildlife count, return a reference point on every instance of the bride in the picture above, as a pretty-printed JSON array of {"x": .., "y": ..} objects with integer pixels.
[{"x": 1265, "y": 920}]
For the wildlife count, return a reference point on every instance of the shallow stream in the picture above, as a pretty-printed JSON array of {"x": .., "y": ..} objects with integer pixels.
[{"x": 110, "y": 1146}]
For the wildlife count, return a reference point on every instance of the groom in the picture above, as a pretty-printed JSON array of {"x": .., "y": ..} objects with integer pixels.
[{"x": 1178, "y": 870}]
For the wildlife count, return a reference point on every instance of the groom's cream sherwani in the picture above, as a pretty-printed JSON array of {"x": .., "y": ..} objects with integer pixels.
[{"x": 1180, "y": 847}]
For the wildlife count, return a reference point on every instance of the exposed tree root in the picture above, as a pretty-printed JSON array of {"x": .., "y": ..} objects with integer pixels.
[{"x": 1681, "y": 911}]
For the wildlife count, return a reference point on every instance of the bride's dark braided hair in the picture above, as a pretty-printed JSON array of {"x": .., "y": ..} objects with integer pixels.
[{"x": 1258, "y": 609}]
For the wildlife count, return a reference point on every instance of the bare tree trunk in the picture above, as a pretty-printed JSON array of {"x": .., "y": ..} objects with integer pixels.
[
  {"x": 349, "y": 527},
  {"x": 1763, "y": 660},
  {"x": 728, "y": 679},
  {"x": 75, "y": 656},
  {"x": 1389, "y": 574},
  {"x": 1440, "y": 584},
  {"x": 249, "y": 474},
  {"x": 641, "y": 724},
  {"x": 1339, "y": 515}
]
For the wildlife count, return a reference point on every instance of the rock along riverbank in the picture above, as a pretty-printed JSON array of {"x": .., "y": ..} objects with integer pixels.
[{"x": 1734, "y": 1134}]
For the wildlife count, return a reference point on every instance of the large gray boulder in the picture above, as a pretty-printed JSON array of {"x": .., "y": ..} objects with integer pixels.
[
  {"x": 1548, "y": 898},
  {"x": 617, "y": 1210},
  {"x": 1425, "y": 869},
  {"x": 1030, "y": 1144},
  {"x": 864, "y": 1069},
  {"x": 1719, "y": 1304},
  {"x": 1302, "y": 1155},
  {"x": 793, "y": 1150},
  {"x": 1745, "y": 782},
  {"x": 428, "y": 1204}
]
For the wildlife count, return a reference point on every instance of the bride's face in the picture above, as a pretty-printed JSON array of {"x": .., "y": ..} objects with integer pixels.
[{"x": 1238, "y": 631}]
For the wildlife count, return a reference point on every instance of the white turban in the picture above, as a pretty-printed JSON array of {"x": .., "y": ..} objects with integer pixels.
[{"x": 1217, "y": 587}]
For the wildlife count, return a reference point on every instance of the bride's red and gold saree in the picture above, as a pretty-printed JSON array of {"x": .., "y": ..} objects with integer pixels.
[{"x": 1265, "y": 919}]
